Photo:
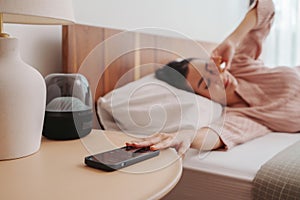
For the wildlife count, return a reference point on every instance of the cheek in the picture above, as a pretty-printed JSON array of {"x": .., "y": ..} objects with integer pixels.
[
  {"x": 217, "y": 93},
  {"x": 203, "y": 92}
]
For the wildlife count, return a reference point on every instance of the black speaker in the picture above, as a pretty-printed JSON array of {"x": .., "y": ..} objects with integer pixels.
[{"x": 69, "y": 110}]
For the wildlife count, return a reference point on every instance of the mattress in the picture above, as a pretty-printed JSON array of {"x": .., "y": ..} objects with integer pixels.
[{"x": 228, "y": 174}]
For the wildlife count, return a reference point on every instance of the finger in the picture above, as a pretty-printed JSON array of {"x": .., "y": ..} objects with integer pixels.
[
  {"x": 167, "y": 142},
  {"x": 217, "y": 60},
  {"x": 139, "y": 144},
  {"x": 149, "y": 141},
  {"x": 228, "y": 65},
  {"x": 131, "y": 143}
]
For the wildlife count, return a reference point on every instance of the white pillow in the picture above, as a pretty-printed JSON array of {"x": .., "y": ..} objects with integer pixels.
[{"x": 148, "y": 105}]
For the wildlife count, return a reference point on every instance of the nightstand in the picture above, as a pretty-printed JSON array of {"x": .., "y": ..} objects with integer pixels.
[{"x": 57, "y": 171}]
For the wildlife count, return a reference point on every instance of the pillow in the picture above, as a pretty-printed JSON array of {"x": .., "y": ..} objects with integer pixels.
[{"x": 149, "y": 105}]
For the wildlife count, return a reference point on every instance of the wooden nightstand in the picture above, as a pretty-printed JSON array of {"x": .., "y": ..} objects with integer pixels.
[{"x": 57, "y": 171}]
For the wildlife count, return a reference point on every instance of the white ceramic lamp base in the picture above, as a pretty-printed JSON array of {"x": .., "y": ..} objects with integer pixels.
[{"x": 22, "y": 103}]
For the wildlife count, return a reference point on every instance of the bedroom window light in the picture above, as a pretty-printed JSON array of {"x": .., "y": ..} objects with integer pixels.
[{"x": 282, "y": 46}]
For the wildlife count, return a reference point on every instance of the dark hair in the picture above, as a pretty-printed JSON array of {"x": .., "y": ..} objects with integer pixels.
[
  {"x": 174, "y": 73},
  {"x": 251, "y": 2}
]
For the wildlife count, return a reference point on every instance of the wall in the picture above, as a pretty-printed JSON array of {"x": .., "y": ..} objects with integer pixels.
[
  {"x": 40, "y": 46},
  {"x": 209, "y": 20}
]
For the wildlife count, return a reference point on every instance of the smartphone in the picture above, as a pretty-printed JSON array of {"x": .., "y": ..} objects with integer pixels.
[{"x": 119, "y": 158}]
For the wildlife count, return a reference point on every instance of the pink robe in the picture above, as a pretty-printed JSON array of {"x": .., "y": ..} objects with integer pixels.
[{"x": 273, "y": 94}]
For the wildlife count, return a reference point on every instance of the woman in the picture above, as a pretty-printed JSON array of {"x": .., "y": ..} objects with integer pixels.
[{"x": 258, "y": 100}]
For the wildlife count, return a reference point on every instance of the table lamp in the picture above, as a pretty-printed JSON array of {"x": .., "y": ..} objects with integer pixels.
[{"x": 22, "y": 88}]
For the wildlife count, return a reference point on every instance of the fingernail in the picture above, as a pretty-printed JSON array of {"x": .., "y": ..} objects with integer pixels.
[
  {"x": 130, "y": 144},
  {"x": 152, "y": 148}
]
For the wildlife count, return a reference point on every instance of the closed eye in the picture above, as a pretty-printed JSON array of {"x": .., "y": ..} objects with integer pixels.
[
  {"x": 206, "y": 85},
  {"x": 199, "y": 83}
]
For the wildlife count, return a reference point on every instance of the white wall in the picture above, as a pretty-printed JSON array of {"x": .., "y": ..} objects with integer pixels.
[
  {"x": 40, "y": 46},
  {"x": 209, "y": 20}
]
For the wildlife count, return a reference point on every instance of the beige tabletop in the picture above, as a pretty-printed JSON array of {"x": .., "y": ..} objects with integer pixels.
[{"x": 57, "y": 171}]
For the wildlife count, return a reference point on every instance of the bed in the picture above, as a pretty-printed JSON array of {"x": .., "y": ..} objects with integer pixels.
[{"x": 111, "y": 59}]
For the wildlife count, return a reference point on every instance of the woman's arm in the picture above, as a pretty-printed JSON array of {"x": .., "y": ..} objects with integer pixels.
[
  {"x": 226, "y": 50},
  {"x": 204, "y": 139},
  {"x": 258, "y": 19},
  {"x": 244, "y": 27}
]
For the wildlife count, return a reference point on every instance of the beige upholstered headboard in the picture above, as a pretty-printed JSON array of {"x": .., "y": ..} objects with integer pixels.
[{"x": 110, "y": 58}]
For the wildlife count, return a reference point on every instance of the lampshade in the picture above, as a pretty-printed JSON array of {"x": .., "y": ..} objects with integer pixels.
[{"x": 37, "y": 11}]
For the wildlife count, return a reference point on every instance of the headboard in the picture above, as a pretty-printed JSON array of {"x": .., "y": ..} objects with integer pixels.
[{"x": 110, "y": 58}]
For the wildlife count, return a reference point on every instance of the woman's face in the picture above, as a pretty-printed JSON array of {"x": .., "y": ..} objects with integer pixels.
[{"x": 207, "y": 81}]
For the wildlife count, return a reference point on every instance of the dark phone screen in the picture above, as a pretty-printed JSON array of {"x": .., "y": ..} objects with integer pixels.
[{"x": 120, "y": 155}]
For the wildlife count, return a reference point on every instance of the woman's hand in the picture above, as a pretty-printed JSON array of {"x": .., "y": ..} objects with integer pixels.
[
  {"x": 181, "y": 141},
  {"x": 203, "y": 139},
  {"x": 226, "y": 50},
  {"x": 224, "y": 54}
]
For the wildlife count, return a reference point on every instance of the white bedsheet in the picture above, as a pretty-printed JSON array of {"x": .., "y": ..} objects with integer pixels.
[{"x": 228, "y": 174}]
